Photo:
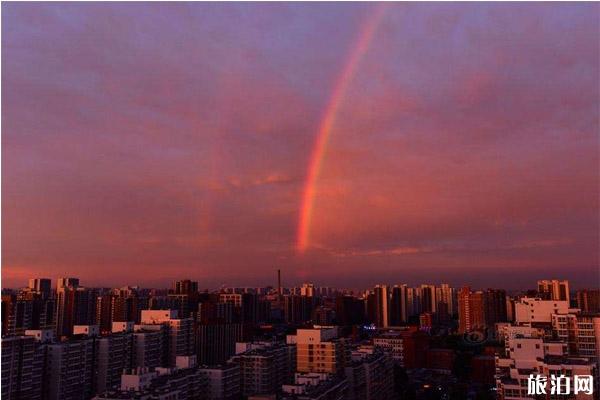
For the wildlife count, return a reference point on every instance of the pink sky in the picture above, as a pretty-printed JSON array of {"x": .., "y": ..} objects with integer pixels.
[{"x": 143, "y": 143}]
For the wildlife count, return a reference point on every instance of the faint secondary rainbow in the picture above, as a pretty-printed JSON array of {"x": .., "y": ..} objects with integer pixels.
[{"x": 327, "y": 123}]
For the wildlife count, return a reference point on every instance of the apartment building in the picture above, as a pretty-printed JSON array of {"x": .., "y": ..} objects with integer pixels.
[
  {"x": 264, "y": 366},
  {"x": 320, "y": 350}
]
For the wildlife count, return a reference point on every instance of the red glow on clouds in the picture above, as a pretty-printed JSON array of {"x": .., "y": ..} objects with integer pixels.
[{"x": 145, "y": 143}]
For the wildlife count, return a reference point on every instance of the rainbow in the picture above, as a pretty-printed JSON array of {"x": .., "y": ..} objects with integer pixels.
[{"x": 327, "y": 123}]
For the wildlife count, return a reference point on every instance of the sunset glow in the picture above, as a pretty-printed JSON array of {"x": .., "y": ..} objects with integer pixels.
[
  {"x": 328, "y": 123},
  {"x": 348, "y": 144}
]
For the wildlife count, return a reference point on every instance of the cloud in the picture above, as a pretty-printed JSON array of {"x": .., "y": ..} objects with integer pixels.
[
  {"x": 145, "y": 142},
  {"x": 450, "y": 247}
]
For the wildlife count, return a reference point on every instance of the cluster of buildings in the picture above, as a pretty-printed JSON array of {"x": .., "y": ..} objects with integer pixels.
[
  {"x": 305, "y": 343},
  {"x": 549, "y": 338}
]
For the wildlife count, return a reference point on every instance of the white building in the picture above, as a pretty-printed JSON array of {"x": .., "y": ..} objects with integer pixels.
[
  {"x": 528, "y": 354},
  {"x": 550, "y": 339},
  {"x": 535, "y": 310}
]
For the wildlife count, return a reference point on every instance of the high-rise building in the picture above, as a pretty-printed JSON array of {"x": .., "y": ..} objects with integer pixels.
[
  {"x": 118, "y": 306},
  {"x": 65, "y": 310},
  {"x": 471, "y": 310},
  {"x": 184, "y": 303},
  {"x": 184, "y": 297},
  {"x": 125, "y": 306},
  {"x": 370, "y": 307},
  {"x": 349, "y": 310},
  {"x": 279, "y": 289},
  {"x": 550, "y": 338},
  {"x": 464, "y": 310},
  {"x": 581, "y": 333},
  {"x": 382, "y": 302},
  {"x": 223, "y": 381},
  {"x": 323, "y": 315},
  {"x": 428, "y": 320},
  {"x": 180, "y": 331},
  {"x": 252, "y": 309},
  {"x": 477, "y": 308},
  {"x": 370, "y": 375},
  {"x": 150, "y": 346},
  {"x": 495, "y": 306},
  {"x": 527, "y": 352},
  {"x": 71, "y": 366},
  {"x": 298, "y": 309},
  {"x": 43, "y": 286},
  {"x": 398, "y": 304},
  {"x": 554, "y": 289},
  {"x": 510, "y": 309},
  {"x": 67, "y": 282},
  {"x": 533, "y": 310},
  {"x": 407, "y": 345},
  {"x": 115, "y": 353},
  {"x": 27, "y": 309},
  {"x": 75, "y": 306},
  {"x": 17, "y": 315},
  {"x": 413, "y": 303},
  {"x": 233, "y": 298},
  {"x": 42, "y": 307},
  {"x": 428, "y": 298},
  {"x": 446, "y": 301},
  {"x": 264, "y": 366},
  {"x": 185, "y": 286},
  {"x": 307, "y": 289},
  {"x": 22, "y": 368},
  {"x": 104, "y": 316},
  {"x": 588, "y": 300},
  {"x": 6, "y": 304},
  {"x": 215, "y": 342}
]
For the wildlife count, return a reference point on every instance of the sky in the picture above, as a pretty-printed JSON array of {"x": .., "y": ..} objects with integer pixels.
[{"x": 144, "y": 143}]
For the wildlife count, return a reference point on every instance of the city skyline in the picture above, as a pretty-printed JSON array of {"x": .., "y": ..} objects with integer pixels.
[
  {"x": 290, "y": 287},
  {"x": 347, "y": 145},
  {"x": 426, "y": 342}
]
